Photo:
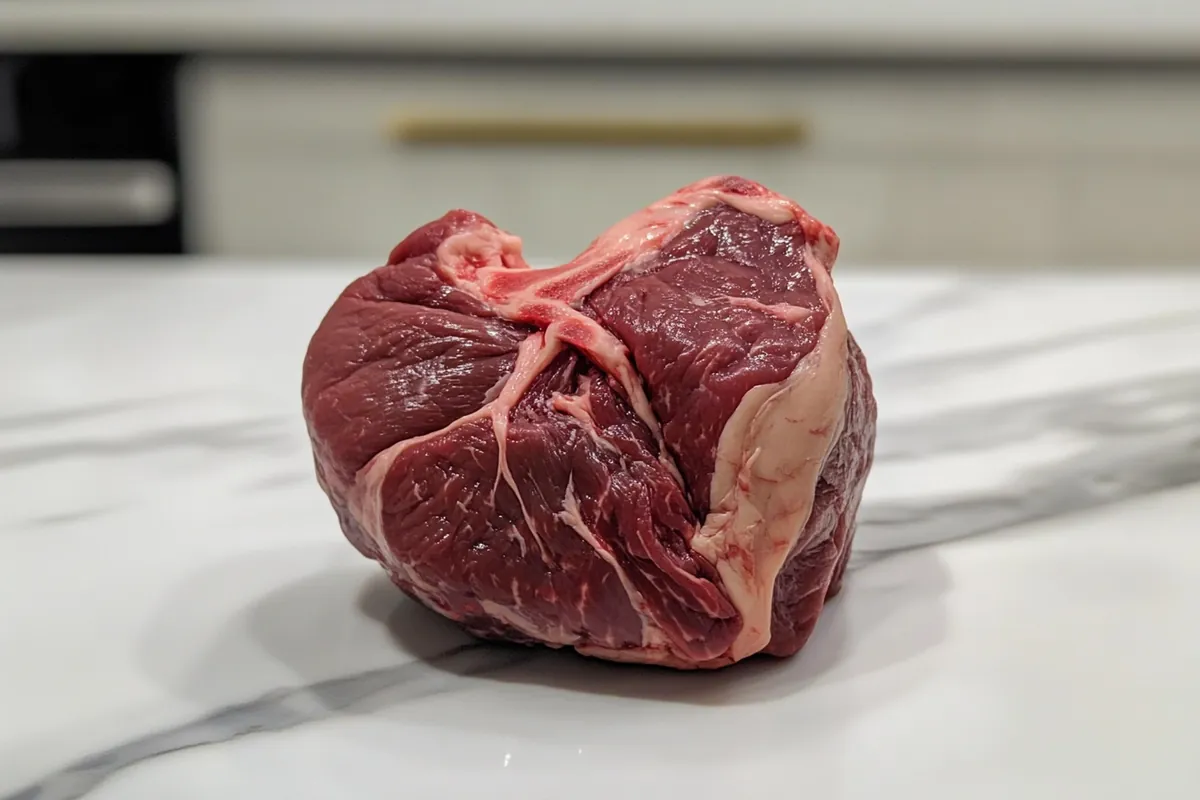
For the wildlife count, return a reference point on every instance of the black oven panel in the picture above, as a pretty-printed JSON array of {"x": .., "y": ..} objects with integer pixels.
[{"x": 89, "y": 156}]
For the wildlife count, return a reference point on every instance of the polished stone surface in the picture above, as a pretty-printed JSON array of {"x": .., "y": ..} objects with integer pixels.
[{"x": 181, "y": 617}]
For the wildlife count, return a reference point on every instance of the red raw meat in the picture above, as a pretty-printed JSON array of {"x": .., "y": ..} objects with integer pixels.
[{"x": 654, "y": 453}]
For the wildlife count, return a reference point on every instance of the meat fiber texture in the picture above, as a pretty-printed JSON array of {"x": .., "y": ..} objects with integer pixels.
[{"x": 654, "y": 453}]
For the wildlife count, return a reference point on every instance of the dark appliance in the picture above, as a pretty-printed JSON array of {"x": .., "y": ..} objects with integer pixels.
[{"x": 89, "y": 156}]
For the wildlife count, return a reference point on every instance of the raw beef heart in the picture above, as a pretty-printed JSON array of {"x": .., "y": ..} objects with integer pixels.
[{"x": 654, "y": 453}]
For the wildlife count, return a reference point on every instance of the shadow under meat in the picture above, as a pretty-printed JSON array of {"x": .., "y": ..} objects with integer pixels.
[
  {"x": 344, "y": 633},
  {"x": 889, "y": 612}
]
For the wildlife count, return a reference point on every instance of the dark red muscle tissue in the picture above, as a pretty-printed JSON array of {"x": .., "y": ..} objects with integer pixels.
[{"x": 653, "y": 453}]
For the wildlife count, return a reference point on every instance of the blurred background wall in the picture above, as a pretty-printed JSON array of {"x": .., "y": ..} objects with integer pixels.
[{"x": 1001, "y": 133}]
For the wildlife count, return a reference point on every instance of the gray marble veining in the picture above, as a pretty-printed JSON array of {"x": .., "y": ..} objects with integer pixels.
[
  {"x": 278, "y": 710},
  {"x": 1142, "y": 438}
]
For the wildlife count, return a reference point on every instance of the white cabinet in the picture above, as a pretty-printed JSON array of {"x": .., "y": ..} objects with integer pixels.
[{"x": 297, "y": 158}]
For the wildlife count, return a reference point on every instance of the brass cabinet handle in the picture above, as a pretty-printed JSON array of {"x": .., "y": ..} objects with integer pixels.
[{"x": 600, "y": 131}]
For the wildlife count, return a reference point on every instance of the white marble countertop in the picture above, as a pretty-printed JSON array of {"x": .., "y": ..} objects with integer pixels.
[
  {"x": 789, "y": 28},
  {"x": 182, "y": 618}
]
